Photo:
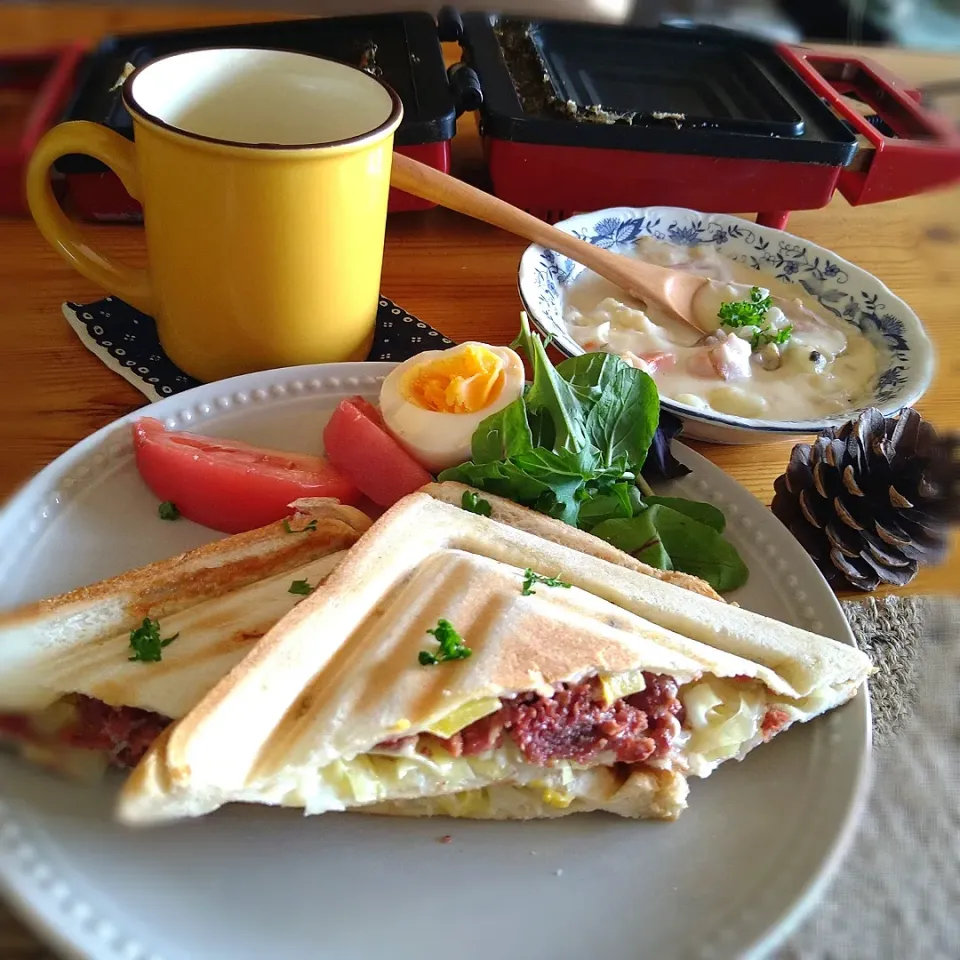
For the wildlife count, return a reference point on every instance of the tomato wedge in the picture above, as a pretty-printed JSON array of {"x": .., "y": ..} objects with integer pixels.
[
  {"x": 228, "y": 485},
  {"x": 356, "y": 442}
]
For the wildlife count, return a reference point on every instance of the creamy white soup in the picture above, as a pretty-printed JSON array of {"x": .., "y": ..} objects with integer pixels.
[{"x": 798, "y": 362}]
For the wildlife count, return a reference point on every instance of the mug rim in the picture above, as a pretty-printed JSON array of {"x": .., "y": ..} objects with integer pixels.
[{"x": 390, "y": 123}]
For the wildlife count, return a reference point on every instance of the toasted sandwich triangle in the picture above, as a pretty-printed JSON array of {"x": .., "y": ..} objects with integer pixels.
[
  {"x": 340, "y": 675},
  {"x": 79, "y": 642}
]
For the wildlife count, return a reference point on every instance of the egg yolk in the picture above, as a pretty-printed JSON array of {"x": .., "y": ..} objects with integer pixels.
[{"x": 463, "y": 381}]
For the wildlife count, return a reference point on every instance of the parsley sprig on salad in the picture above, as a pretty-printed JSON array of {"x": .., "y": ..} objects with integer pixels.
[{"x": 573, "y": 447}]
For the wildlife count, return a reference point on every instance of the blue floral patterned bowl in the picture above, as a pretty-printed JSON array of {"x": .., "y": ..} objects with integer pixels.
[{"x": 840, "y": 287}]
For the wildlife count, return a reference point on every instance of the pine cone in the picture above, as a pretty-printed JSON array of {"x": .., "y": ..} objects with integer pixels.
[{"x": 872, "y": 500}]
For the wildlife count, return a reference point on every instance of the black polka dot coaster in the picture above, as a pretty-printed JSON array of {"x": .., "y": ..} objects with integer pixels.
[{"x": 126, "y": 341}]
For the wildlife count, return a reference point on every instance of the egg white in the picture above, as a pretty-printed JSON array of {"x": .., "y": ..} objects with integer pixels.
[{"x": 442, "y": 440}]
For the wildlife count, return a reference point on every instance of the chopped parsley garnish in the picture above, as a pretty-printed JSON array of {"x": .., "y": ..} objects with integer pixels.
[
  {"x": 168, "y": 510},
  {"x": 753, "y": 313},
  {"x": 762, "y": 337},
  {"x": 472, "y": 502},
  {"x": 530, "y": 578},
  {"x": 746, "y": 313},
  {"x": 146, "y": 643},
  {"x": 451, "y": 643},
  {"x": 310, "y": 527},
  {"x": 301, "y": 587}
]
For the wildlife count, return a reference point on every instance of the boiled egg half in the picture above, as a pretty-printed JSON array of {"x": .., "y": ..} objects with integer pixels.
[{"x": 433, "y": 402}]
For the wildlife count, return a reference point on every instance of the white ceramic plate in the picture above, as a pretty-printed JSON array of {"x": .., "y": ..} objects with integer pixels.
[{"x": 726, "y": 880}]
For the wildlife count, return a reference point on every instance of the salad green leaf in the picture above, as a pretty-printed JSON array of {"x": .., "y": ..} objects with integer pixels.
[
  {"x": 661, "y": 464},
  {"x": 672, "y": 540},
  {"x": 502, "y": 477},
  {"x": 622, "y": 409},
  {"x": 637, "y": 536},
  {"x": 502, "y": 434},
  {"x": 698, "y": 549},
  {"x": 704, "y": 512},
  {"x": 552, "y": 404},
  {"x": 619, "y": 501},
  {"x": 565, "y": 439},
  {"x": 573, "y": 447}
]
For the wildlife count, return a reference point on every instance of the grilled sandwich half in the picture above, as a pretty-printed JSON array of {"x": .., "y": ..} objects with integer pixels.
[
  {"x": 90, "y": 678},
  {"x": 490, "y": 667}
]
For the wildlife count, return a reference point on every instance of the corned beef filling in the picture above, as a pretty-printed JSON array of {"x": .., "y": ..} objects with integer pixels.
[
  {"x": 15, "y": 726},
  {"x": 774, "y": 720},
  {"x": 574, "y": 724},
  {"x": 124, "y": 734}
]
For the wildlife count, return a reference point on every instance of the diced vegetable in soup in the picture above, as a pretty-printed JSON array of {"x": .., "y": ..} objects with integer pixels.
[{"x": 786, "y": 361}]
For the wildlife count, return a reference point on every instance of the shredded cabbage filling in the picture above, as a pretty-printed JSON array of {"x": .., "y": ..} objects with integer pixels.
[{"x": 717, "y": 719}]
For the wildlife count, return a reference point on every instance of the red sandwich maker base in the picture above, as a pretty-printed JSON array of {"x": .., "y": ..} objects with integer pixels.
[
  {"x": 34, "y": 88},
  {"x": 539, "y": 178}
]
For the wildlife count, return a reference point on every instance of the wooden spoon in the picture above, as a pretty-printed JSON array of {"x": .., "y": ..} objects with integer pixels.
[{"x": 672, "y": 290}]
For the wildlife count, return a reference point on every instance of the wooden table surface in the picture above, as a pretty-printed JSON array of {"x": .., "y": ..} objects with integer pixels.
[{"x": 456, "y": 274}]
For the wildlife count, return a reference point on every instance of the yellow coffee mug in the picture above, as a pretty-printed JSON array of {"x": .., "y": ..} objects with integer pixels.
[{"x": 263, "y": 176}]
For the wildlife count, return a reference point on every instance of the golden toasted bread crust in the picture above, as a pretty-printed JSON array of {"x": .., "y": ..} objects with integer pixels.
[
  {"x": 41, "y": 637},
  {"x": 645, "y": 795},
  {"x": 207, "y": 571},
  {"x": 506, "y": 511}
]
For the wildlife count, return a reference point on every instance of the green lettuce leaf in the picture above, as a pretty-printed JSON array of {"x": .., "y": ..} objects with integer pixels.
[
  {"x": 621, "y": 403},
  {"x": 619, "y": 501},
  {"x": 502, "y": 435},
  {"x": 704, "y": 512},
  {"x": 556, "y": 414},
  {"x": 573, "y": 446},
  {"x": 669, "y": 539}
]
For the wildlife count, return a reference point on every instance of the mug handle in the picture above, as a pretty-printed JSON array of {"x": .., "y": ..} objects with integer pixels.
[{"x": 80, "y": 136}]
